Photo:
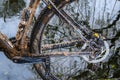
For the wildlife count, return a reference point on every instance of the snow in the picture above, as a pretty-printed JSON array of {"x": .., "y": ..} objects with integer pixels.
[
  {"x": 12, "y": 71},
  {"x": 9, "y": 27}
]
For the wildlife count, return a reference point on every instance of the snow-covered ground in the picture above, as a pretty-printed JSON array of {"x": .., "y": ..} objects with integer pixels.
[{"x": 12, "y": 71}]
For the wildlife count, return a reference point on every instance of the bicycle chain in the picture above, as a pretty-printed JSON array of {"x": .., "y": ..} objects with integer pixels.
[{"x": 62, "y": 45}]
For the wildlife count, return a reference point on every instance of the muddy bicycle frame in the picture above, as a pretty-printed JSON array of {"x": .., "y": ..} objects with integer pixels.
[
  {"x": 18, "y": 51},
  {"x": 20, "y": 47}
]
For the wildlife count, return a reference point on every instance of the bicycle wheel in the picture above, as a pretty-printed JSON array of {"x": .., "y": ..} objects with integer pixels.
[{"x": 51, "y": 35}]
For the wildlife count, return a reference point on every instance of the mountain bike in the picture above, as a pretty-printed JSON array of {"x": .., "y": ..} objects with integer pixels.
[{"x": 57, "y": 38}]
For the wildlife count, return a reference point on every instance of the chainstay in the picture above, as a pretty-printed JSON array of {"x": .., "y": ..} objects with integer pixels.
[{"x": 62, "y": 44}]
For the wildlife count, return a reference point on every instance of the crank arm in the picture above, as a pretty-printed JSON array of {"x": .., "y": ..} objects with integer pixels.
[
  {"x": 27, "y": 59},
  {"x": 34, "y": 59}
]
